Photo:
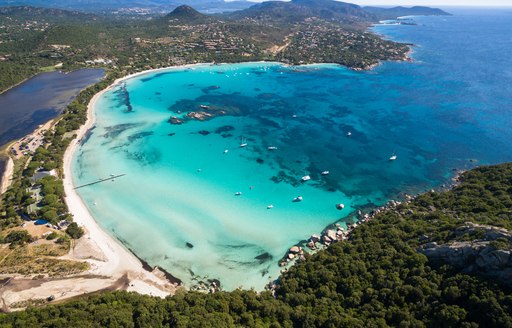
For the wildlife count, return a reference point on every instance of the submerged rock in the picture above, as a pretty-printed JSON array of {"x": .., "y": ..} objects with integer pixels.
[
  {"x": 263, "y": 257},
  {"x": 174, "y": 120}
]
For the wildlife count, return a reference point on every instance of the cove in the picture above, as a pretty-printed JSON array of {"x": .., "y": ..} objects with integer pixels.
[{"x": 176, "y": 134}]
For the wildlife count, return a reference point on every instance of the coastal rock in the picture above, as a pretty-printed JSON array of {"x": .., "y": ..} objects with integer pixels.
[
  {"x": 174, "y": 120},
  {"x": 315, "y": 238},
  {"x": 331, "y": 234},
  {"x": 295, "y": 249}
]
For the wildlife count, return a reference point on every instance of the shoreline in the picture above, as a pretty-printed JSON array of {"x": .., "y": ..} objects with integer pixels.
[
  {"x": 114, "y": 249},
  {"x": 111, "y": 261},
  {"x": 7, "y": 175},
  {"x": 119, "y": 261}
]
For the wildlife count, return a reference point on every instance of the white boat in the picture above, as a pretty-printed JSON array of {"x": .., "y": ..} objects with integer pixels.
[
  {"x": 340, "y": 206},
  {"x": 270, "y": 206},
  {"x": 297, "y": 199},
  {"x": 243, "y": 143},
  {"x": 349, "y": 134},
  {"x": 272, "y": 148},
  {"x": 225, "y": 151},
  {"x": 325, "y": 172},
  {"x": 392, "y": 158},
  {"x": 238, "y": 193},
  {"x": 204, "y": 106},
  {"x": 306, "y": 178}
]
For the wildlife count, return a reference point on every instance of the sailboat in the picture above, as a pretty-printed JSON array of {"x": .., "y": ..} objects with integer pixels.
[{"x": 243, "y": 143}]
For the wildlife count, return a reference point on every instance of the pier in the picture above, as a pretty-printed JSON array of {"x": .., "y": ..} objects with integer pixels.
[{"x": 100, "y": 180}]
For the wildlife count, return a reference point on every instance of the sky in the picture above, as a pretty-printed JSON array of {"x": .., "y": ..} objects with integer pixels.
[
  {"x": 486, "y": 3},
  {"x": 444, "y": 3}
]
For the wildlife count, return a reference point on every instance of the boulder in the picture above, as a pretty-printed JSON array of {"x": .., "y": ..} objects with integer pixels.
[
  {"x": 315, "y": 238},
  {"x": 331, "y": 234},
  {"x": 294, "y": 249}
]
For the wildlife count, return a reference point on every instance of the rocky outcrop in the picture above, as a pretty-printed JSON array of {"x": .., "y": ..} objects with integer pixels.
[{"x": 481, "y": 256}]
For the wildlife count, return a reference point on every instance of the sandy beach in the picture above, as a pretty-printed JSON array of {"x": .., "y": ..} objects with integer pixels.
[
  {"x": 112, "y": 266},
  {"x": 116, "y": 261},
  {"x": 7, "y": 176}
]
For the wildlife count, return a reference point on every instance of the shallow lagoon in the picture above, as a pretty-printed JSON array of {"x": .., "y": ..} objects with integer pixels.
[
  {"x": 180, "y": 184},
  {"x": 40, "y": 99}
]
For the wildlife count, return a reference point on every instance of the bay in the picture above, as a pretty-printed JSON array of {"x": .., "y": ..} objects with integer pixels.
[{"x": 177, "y": 207}]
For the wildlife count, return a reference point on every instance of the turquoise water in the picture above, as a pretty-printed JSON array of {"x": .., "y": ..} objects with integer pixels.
[{"x": 176, "y": 206}]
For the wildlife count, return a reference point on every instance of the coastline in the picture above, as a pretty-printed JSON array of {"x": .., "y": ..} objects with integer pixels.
[
  {"x": 118, "y": 261},
  {"x": 111, "y": 262}
]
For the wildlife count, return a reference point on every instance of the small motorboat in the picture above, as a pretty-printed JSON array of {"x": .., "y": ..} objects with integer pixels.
[
  {"x": 238, "y": 193},
  {"x": 392, "y": 158},
  {"x": 340, "y": 206},
  {"x": 272, "y": 148},
  {"x": 225, "y": 151},
  {"x": 349, "y": 134},
  {"x": 270, "y": 207},
  {"x": 325, "y": 172},
  {"x": 297, "y": 199},
  {"x": 306, "y": 178}
]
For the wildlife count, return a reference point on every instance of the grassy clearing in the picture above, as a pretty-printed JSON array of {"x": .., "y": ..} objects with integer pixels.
[{"x": 39, "y": 259}]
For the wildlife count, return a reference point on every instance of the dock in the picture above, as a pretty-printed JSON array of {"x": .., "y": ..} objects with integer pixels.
[{"x": 100, "y": 180}]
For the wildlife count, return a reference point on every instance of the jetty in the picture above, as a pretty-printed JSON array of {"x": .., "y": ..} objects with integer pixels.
[{"x": 100, "y": 180}]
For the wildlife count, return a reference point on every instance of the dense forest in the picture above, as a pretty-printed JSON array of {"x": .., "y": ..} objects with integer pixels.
[{"x": 377, "y": 278}]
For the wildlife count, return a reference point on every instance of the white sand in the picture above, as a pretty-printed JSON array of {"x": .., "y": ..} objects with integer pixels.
[
  {"x": 119, "y": 260},
  {"x": 113, "y": 267},
  {"x": 7, "y": 176}
]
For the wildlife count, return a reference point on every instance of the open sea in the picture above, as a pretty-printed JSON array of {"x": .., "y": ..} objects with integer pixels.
[{"x": 176, "y": 206}]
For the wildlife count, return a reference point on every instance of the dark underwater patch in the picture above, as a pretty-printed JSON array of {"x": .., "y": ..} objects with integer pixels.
[{"x": 139, "y": 135}]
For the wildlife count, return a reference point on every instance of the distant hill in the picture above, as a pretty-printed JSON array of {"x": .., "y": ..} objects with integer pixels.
[
  {"x": 299, "y": 10},
  {"x": 393, "y": 13},
  {"x": 29, "y": 11},
  {"x": 189, "y": 15},
  {"x": 154, "y": 6}
]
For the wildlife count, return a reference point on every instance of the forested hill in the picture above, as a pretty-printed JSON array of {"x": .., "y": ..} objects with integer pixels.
[{"x": 379, "y": 277}]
